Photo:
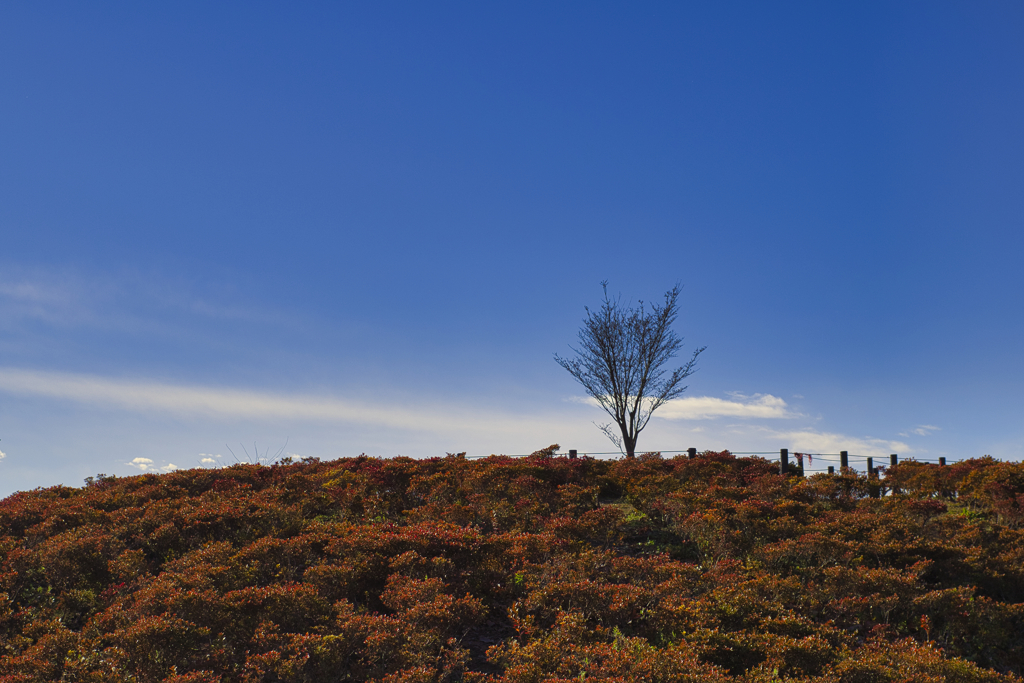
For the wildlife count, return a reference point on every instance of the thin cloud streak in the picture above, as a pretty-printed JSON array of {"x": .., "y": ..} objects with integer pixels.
[
  {"x": 813, "y": 441},
  {"x": 142, "y": 396},
  {"x": 220, "y": 403},
  {"x": 67, "y": 299},
  {"x": 763, "y": 406},
  {"x": 922, "y": 430},
  {"x": 748, "y": 437}
]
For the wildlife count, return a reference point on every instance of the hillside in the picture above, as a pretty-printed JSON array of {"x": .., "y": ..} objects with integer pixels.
[{"x": 542, "y": 568}]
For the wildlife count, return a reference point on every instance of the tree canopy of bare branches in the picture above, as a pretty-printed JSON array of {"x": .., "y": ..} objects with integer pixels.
[{"x": 621, "y": 363}]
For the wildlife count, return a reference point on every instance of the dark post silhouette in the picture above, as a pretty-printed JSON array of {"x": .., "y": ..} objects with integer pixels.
[
  {"x": 844, "y": 460},
  {"x": 942, "y": 462},
  {"x": 784, "y": 461},
  {"x": 892, "y": 460},
  {"x": 873, "y": 488},
  {"x": 831, "y": 469},
  {"x": 691, "y": 452},
  {"x": 572, "y": 454}
]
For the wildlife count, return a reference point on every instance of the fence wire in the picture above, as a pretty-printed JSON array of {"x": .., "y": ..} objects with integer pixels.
[{"x": 830, "y": 458}]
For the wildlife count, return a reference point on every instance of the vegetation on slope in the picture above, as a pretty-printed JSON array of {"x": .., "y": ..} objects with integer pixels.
[{"x": 536, "y": 569}]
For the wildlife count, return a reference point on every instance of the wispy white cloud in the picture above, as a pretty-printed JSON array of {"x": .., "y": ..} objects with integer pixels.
[
  {"x": 220, "y": 403},
  {"x": 763, "y": 406},
  {"x": 52, "y": 300},
  {"x": 34, "y": 293},
  {"x": 829, "y": 442},
  {"x": 117, "y": 302},
  {"x": 709, "y": 407},
  {"x": 921, "y": 430},
  {"x": 2, "y": 455},
  {"x": 769, "y": 436},
  {"x": 810, "y": 440}
]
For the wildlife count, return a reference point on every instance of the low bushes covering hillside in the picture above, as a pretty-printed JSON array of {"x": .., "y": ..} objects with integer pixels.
[{"x": 533, "y": 569}]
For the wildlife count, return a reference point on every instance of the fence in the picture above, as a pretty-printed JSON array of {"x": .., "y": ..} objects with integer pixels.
[{"x": 832, "y": 461}]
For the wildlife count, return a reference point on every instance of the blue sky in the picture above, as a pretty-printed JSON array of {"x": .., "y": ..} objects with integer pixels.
[{"x": 367, "y": 227}]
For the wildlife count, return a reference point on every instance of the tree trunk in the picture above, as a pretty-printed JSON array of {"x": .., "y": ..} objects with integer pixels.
[{"x": 629, "y": 443}]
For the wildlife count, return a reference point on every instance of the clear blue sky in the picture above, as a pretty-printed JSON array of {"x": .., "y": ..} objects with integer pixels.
[{"x": 367, "y": 227}]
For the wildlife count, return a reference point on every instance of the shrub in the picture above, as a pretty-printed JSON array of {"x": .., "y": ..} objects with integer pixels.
[{"x": 542, "y": 568}]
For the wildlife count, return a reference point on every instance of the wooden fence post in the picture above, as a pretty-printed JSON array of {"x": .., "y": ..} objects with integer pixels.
[
  {"x": 844, "y": 460},
  {"x": 831, "y": 469},
  {"x": 572, "y": 453},
  {"x": 873, "y": 485},
  {"x": 892, "y": 460},
  {"x": 783, "y": 461},
  {"x": 942, "y": 462},
  {"x": 691, "y": 453}
]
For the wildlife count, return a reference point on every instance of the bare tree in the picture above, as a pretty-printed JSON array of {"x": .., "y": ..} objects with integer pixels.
[{"x": 621, "y": 363}]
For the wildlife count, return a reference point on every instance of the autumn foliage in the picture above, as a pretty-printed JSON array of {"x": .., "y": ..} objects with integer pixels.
[{"x": 714, "y": 568}]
